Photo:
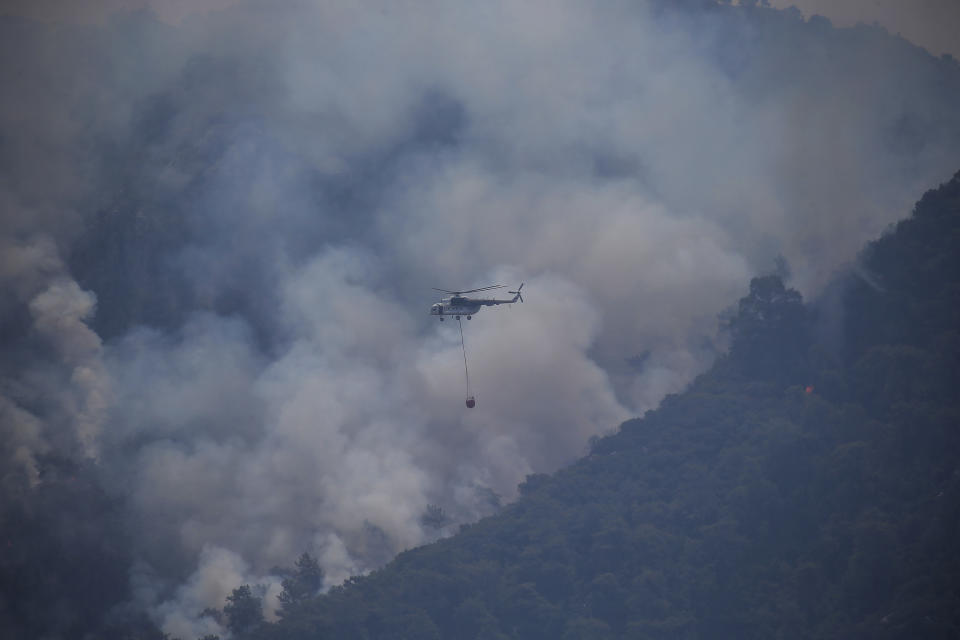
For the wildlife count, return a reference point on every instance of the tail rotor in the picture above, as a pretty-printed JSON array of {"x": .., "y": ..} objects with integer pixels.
[{"x": 517, "y": 293}]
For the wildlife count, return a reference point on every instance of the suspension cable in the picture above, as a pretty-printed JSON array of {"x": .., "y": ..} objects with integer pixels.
[{"x": 464, "y": 347}]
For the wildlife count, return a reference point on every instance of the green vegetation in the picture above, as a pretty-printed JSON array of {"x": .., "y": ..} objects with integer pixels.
[{"x": 808, "y": 486}]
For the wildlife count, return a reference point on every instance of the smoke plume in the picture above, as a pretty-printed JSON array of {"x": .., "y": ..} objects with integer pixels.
[{"x": 219, "y": 240}]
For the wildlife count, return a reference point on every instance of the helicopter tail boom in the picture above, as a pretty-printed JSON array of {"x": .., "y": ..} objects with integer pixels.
[{"x": 494, "y": 301}]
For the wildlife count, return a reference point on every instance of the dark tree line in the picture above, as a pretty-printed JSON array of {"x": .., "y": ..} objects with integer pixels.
[{"x": 806, "y": 487}]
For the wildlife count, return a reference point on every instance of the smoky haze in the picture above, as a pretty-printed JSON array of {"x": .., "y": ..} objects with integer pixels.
[{"x": 219, "y": 240}]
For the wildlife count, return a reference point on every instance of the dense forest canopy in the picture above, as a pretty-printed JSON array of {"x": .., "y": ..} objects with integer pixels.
[
  {"x": 220, "y": 392},
  {"x": 819, "y": 498}
]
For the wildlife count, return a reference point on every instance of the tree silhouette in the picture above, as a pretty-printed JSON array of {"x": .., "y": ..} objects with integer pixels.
[
  {"x": 243, "y": 610},
  {"x": 303, "y": 584}
]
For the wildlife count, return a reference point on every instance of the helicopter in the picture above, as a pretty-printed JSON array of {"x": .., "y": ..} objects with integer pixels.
[{"x": 457, "y": 304}]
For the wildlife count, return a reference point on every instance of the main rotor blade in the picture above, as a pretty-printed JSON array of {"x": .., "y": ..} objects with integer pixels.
[
  {"x": 493, "y": 286},
  {"x": 457, "y": 293}
]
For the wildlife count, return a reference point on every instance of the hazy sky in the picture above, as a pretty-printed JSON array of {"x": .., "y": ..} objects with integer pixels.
[
  {"x": 294, "y": 177},
  {"x": 933, "y": 24}
]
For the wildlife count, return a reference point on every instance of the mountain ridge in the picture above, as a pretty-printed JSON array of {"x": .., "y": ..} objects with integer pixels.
[{"x": 751, "y": 505}]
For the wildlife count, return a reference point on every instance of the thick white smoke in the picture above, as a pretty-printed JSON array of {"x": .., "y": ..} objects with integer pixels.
[
  {"x": 306, "y": 173},
  {"x": 54, "y": 390}
]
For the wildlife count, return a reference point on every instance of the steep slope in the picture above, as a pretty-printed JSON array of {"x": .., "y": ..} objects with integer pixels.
[
  {"x": 811, "y": 494},
  {"x": 199, "y": 218}
]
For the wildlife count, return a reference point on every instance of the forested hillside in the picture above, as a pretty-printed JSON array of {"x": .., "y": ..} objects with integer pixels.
[
  {"x": 219, "y": 236},
  {"x": 808, "y": 486}
]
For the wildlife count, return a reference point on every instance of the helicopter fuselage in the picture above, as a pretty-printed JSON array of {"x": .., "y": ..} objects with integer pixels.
[
  {"x": 456, "y": 306},
  {"x": 460, "y": 305}
]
